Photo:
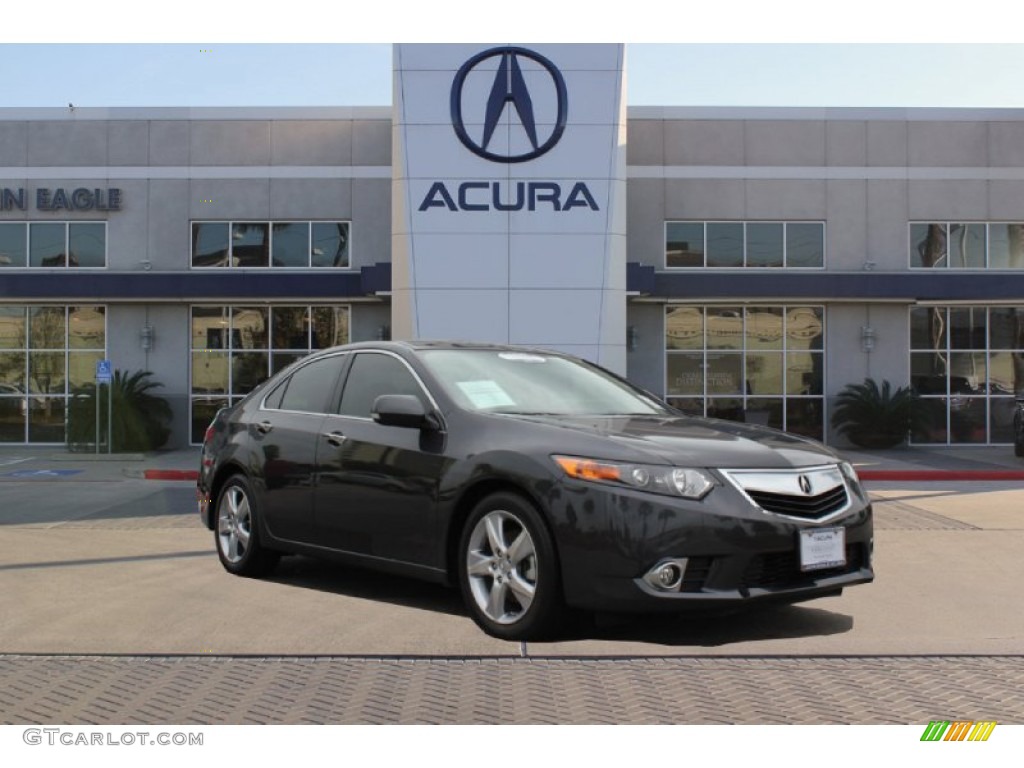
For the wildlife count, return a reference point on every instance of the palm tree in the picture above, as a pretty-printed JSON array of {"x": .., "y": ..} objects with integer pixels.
[
  {"x": 876, "y": 418},
  {"x": 139, "y": 419}
]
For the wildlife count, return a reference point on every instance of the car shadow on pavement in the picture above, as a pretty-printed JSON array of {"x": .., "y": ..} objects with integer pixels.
[
  {"x": 326, "y": 576},
  {"x": 713, "y": 628},
  {"x": 697, "y": 628}
]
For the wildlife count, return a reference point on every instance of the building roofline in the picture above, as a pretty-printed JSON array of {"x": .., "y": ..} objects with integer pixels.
[
  {"x": 908, "y": 114},
  {"x": 195, "y": 113}
]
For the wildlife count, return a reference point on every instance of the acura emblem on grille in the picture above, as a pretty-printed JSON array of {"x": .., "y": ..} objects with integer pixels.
[{"x": 805, "y": 484}]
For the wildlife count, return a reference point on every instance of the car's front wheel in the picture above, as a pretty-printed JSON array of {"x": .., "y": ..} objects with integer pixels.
[
  {"x": 508, "y": 569},
  {"x": 237, "y": 534}
]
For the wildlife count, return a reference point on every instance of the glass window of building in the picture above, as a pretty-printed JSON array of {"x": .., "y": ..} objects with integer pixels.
[
  {"x": 235, "y": 348},
  {"x": 961, "y": 245},
  {"x": 282, "y": 244},
  {"x": 47, "y": 355},
  {"x": 754, "y": 244},
  {"x": 967, "y": 364},
  {"x": 762, "y": 365},
  {"x": 53, "y": 244},
  {"x": 13, "y": 244},
  {"x": 87, "y": 244}
]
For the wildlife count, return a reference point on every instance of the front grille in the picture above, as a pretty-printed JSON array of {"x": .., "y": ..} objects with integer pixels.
[
  {"x": 782, "y": 569},
  {"x": 809, "y": 507}
]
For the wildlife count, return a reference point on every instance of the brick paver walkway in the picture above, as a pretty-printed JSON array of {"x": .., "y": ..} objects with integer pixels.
[{"x": 682, "y": 690}]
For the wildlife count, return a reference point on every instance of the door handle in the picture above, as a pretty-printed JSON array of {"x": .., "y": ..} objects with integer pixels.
[
  {"x": 335, "y": 438},
  {"x": 264, "y": 426}
]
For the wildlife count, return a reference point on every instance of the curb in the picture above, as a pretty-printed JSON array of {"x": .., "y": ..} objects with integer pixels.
[
  {"x": 940, "y": 474},
  {"x": 171, "y": 474}
]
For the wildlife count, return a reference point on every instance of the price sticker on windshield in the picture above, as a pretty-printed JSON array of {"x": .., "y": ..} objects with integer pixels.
[
  {"x": 485, "y": 394},
  {"x": 522, "y": 357}
]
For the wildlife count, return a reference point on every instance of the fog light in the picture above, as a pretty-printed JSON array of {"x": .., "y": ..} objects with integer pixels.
[{"x": 667, "y": 575}]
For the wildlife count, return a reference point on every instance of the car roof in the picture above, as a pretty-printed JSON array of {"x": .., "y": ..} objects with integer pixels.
[{"x": 425, "y": 344}]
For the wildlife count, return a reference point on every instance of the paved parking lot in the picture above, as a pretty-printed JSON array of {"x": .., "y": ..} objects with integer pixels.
[{"x": 115, "y": 581}]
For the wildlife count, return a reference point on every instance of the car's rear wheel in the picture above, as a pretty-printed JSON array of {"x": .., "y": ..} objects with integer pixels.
[
  {"x": 237, "y": 533},
  {"x": 508, "y": 569}
]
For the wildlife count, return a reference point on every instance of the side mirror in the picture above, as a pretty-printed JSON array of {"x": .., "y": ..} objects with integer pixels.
[{"x": 401, "y": 411}]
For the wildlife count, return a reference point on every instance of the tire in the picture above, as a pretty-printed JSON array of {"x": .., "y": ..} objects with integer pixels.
[
  {"x": 508, "y": 570},
  {"x": 237, "y": 531}
]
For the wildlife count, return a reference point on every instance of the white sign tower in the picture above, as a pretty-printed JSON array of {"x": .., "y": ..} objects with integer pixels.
[{"x": 509, "y": 196}]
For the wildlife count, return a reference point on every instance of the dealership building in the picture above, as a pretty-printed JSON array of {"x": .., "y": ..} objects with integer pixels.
[{"x": 745, "y": 263}]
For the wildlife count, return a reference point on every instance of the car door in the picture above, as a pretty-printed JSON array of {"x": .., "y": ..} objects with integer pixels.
[
  {"x": 285, "y": 433},
  {"x": 377, "y": 485}
]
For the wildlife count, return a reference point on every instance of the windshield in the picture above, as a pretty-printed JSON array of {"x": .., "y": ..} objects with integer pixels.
[{"x": 534, "y": 383}]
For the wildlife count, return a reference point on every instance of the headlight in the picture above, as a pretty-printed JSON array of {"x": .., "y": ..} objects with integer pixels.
[
  {"x": 672, "y": 481},
  {"x": 851, "y": 478}
]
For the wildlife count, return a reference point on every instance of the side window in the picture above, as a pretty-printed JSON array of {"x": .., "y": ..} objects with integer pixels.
[
  {"x": 373, "y": 375},
  {"x": 274, "y": 398},
  {"x": 309, "y": 388}
]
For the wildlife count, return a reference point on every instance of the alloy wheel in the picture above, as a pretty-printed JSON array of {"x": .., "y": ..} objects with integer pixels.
[
  {"x": 234, "y": 524},
  {"x": 501, "y": 565}
]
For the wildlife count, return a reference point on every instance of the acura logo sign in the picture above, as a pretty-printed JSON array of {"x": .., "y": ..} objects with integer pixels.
[
  {"x": 509, "y": 90},
  {"x": 805, "y": 484}
]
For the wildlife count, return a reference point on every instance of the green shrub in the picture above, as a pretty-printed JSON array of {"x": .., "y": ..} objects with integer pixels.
[
  {"x": 873, "y": 417},
  {"x": 140, "y": 419}
]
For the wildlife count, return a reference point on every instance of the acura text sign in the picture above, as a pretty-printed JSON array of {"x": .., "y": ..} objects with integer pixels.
[{"x": 509, "y": 196}]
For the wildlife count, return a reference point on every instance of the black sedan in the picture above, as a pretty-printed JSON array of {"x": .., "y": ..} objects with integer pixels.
[{"x": 531, "y": 479}]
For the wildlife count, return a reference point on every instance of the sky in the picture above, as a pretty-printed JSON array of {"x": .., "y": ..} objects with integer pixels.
[
  {"x": 212, "y": 74},
  {"x": 741, "y": 53}
]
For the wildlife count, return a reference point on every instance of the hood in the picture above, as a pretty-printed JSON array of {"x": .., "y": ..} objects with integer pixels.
[{"x": 699, "y": 442}]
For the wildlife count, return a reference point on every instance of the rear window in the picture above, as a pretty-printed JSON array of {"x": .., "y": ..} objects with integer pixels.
[{"x": 309, "y": 389}]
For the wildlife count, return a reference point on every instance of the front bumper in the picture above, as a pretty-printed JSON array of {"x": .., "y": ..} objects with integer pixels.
[{"x": 735, "y": 552}]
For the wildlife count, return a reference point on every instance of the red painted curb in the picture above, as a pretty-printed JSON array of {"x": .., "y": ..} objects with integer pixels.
[
  {"x": 940, "y": 474},
  {"x": 171, "y": 474}
]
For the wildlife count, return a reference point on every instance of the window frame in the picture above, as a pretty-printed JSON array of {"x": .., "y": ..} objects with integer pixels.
[
  {"x": 949, "y": 349},
  {"x": 26, "y": 224},
  {"x": 230, "y": 223},
  {"x": 746, "y": 265},
  {"x": 744, "y": 351},
  {"x": 66, "y": 351},
  {"x": 230, "y": 396},
  {"x": 947, "y": 224}
]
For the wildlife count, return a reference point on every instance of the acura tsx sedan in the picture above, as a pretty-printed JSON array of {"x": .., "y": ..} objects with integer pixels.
[{"x": 531, "y": 479}]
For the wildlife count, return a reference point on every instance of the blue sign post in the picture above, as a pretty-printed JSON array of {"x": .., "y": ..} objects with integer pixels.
[
  {"x": 104, "y": 375},
  {"x": 103, "y": 372}
]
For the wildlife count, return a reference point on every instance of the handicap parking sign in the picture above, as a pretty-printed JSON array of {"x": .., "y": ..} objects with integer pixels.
[{"x": 103, "y": 372}]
